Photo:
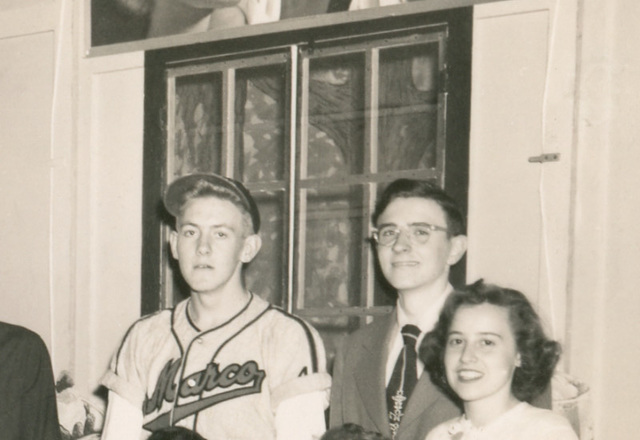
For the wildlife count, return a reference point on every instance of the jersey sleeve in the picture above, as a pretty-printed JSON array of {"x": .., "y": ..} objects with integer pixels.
[
  {"x": 122, "y": 421},
  {"x": 301, "y": 417},
  {"x": 126, "y": 374},
  {"x": 296, "y": 360}
]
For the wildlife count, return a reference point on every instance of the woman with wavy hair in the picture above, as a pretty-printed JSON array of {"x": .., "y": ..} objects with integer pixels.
[{"x": 489, "y": 352}]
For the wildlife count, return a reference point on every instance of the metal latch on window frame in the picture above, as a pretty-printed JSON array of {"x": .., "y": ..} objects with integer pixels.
[{"x": 549, "y": 157}]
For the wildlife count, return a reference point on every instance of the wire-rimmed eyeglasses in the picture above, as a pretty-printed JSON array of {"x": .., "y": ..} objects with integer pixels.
[{"x": 418, "y": 233}]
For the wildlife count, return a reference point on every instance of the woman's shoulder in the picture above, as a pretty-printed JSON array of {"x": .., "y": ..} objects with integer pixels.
[
  {"x": 531, "y": 412},
  {"x": 446, "y": 430},
  {"x": 524, "y": 422},
  {"x": 545, "y": 423}
]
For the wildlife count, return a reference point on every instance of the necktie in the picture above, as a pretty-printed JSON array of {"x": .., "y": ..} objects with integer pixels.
[{"x": 403, "y": 378}]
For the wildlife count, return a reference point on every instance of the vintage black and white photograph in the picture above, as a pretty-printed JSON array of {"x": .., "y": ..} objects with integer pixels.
[{"x": 319, "y": 219}]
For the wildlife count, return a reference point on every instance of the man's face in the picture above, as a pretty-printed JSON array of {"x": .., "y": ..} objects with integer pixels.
[
  {"x": 408, "y": 265},
  {"x": 211, "y": 242}
]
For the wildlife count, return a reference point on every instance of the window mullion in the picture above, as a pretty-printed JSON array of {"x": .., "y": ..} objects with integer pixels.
[
  {"x": 372, "y": 102},
  {"x": 166, "y": 274},
  {"x": 171, "y": 127},
  {"x": 293, "y": 163},
  {"x": 443, "y": 93},
  {"x": 229, "y": 163}
]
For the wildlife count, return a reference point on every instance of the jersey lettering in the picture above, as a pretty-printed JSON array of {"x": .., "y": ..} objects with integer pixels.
[
  {"x": 165, "y": 388},
  {"x": 248, "y": 377}
]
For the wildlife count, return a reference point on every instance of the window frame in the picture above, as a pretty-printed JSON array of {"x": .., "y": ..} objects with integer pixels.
[{"x": 158, "y": 63}]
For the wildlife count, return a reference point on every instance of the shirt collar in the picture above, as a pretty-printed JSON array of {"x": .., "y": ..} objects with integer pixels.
[{"x": 430, "y": 316}]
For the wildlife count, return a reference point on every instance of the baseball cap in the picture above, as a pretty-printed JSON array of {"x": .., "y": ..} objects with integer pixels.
[{"x": 174, "y": 195}]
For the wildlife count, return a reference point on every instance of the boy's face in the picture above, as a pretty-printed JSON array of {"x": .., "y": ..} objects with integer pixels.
[
  {"x": 211, "y": 242},
  {"x": 411, "y": 266}
]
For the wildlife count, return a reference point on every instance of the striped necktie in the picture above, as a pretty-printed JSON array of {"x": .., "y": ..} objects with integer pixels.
[{"x": 403, "y": 379}]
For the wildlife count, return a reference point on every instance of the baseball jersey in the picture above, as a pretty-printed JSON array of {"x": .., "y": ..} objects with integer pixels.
[{"x": 225, "y": 382}]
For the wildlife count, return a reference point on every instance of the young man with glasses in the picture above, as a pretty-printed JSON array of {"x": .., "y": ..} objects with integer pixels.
[{"x": 377, "y": 380}]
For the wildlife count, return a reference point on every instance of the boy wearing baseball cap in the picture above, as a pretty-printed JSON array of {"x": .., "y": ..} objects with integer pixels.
[{"x": 224, "y": 362}]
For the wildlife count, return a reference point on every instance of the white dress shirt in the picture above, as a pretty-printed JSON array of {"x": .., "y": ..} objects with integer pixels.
[{"x": 426, "y": 324}]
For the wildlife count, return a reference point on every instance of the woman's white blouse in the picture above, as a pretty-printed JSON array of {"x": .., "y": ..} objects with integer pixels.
[{"x": 522, "y": 422}]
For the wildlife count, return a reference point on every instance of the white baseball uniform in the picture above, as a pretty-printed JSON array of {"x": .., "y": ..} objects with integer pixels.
[{"x": 225, "y": 382}]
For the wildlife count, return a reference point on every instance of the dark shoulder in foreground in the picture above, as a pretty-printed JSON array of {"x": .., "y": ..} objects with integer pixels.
[{"x": 15, "y": 335}]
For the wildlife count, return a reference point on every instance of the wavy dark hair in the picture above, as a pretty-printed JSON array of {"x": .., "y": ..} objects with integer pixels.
[
  {"x": 539, "y": 355},
  {"x": 351, "y": 431},
  {"x": 175, "y": 433}
]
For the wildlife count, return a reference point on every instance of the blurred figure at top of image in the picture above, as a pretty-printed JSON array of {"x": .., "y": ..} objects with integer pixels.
[{"x": 170, "y": 17}]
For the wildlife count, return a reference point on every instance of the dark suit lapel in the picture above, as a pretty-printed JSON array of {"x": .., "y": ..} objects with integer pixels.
[
  {"x": 422, "y": 397},
  {"x": 370, "y": 372},
  {"x": 425, "y": 406}
]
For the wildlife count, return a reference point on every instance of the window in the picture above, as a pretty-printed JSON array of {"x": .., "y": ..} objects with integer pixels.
[{"x": 314, "y": 121}]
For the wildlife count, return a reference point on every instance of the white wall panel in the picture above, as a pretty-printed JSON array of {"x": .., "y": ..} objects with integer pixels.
[
  {"x": 508, "y": 82},
  {"x": 109, "y": 209},
  {"x": 523, "y": 78},
  {"x": 26, "y": 78},
  {"x": 606, "y": 237}
]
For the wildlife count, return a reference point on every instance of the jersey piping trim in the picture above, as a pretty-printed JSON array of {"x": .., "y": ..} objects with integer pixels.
[
  {"x": 173, "y": 332},
  {"x": 310, "y": 340},
  {"x": 193, "y": 324},
  {"x": 242, "y": 329},
  {"x": 126, "y": 335},
  {"x": 186, "y": 312},
  {"x": 185, "y": 353},
  {"x": 247, "y": 325}
]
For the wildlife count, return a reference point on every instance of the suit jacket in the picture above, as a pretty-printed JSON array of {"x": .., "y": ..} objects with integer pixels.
[{"x": 358, "y": 393}]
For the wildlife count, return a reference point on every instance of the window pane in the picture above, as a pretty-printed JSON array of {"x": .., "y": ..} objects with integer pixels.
[
  {"x": 198, "y": 125},
  {"x": 408, "y": 118},
  {"x": 331, "y": 242},
  {"x": 333, "y": 330},
  {"x": 260, "y": 123},
  {"x": 265, "y": 275},
  {"x": 335, "y": 115}
]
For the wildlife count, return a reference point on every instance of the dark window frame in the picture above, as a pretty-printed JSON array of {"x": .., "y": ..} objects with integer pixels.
[{"x": 457, "y": 84}]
